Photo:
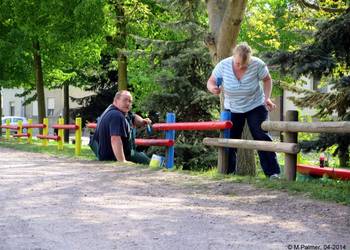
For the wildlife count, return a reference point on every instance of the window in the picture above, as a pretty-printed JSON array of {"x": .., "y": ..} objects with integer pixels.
[
  {"x": 50, "y": 106},
  {"x": 16, "y": 120},
  {"x": 12, "y": 108}
]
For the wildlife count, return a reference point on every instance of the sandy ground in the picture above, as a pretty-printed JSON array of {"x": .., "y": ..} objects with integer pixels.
[{"x": 55, "y": 203}]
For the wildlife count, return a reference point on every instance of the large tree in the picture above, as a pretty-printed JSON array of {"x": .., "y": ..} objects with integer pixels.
[
  {"x": 128, "y": 19},
  {"x": 225, "y": 20},
  {"x": 42, "y": 27}
]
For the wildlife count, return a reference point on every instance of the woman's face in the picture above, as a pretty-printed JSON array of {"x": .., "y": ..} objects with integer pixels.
[{"x": 239, "y": 64}]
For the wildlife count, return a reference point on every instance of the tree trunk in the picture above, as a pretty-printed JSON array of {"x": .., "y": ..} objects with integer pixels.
[
  {"x": 66, "y": 109},
  {"x": 225, "y": 18},
  {"x": 122, "y": 72},
  {"x": 343, "y": 155},
  {"x": 120, "y": 43},
  {"x": 39, "y": 81},
  {"x": 245, "y": 157}
]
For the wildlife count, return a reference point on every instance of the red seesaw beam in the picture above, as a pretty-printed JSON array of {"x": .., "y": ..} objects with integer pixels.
[
  {"x": 154, "y": 142},
  {"x": 65, "y": 126},
  {"x": 21, "y": 135},
  {"x": 185, "y": 125},
  {"x": 334, "y": 173},
  {"x": 49, "y": 137},
  {"x": 91, "y": 125},
  {"x": 12, "y": 127},
  {"x": 34, "y": 125},
  {"x": 192, "y": 125}
]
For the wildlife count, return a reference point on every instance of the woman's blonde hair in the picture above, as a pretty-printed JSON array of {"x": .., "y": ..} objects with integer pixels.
[{"x": 244, "y": 51}]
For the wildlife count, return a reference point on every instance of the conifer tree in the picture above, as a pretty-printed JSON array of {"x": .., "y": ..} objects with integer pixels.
[{"x": 327, "y": 58}]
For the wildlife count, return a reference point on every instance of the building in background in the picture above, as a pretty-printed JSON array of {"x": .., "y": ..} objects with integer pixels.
[{"x": 54, "y": 103}]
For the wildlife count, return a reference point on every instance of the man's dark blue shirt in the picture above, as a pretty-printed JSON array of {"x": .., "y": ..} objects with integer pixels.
[{"x": 113, "y": 123}]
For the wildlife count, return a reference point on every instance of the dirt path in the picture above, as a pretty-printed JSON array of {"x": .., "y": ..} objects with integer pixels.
[{"x": 54, "y": 203}]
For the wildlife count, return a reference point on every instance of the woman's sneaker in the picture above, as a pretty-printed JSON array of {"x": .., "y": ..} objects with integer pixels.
[{"x": 275, "y": 177}]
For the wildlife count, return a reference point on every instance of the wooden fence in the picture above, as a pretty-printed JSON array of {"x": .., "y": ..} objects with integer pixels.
[{"x": 290, "y": 147}]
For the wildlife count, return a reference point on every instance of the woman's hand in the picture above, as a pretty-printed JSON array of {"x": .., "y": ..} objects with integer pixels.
[
  {"x": 212, "y": 87},
  {"x": 215, "y": 90},
  {"x": 270, "y": 105}
]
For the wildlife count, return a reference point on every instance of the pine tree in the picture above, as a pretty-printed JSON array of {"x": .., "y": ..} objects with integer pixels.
[
  {"x": 103, "y": 82},
  {"x": 185, "y": 65}
]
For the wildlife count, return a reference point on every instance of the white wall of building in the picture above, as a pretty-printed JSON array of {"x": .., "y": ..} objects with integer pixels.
[
  {"x": 289, "y": 105},
  {"x": 8, "y": 98},
  {"x": 54, "y": 102}
]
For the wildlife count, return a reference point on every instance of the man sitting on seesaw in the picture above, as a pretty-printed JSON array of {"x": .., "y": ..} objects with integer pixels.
[{"x": 115, "y": 132}]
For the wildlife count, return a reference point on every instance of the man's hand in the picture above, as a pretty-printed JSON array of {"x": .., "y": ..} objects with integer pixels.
[
  {"x": 270, "y": 105},
  {"x": 147, "y": 121},
  {"x": 127, "y": 162}
]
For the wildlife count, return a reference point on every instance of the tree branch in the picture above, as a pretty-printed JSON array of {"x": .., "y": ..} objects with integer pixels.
[{"x": 305, "y": 3}]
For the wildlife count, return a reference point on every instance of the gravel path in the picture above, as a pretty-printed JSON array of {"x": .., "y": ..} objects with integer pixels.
[{"x": 57, "y": 203}]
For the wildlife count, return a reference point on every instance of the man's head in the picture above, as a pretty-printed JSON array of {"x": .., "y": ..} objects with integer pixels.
[
  {"x": 242, "y": 54},
  {"x": 123, "y": 101}
]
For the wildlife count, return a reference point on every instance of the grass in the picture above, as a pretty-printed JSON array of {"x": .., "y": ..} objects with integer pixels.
[
  {"x": 51, "y": 149},
  {"x": 324, "y": 189},
  {"x": 320, "y": 189}
]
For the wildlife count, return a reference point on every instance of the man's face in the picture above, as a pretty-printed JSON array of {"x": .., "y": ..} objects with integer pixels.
[{"x": 124, "y": 102}]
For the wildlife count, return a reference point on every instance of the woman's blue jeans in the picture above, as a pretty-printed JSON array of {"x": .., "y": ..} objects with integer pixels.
[{"x": 254, "y": 117}]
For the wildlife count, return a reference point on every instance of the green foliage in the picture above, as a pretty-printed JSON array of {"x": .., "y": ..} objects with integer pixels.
[
  {"x": 67, "y": 31},
  {"x": 181, "y": 67},
  {"x": 102, "y": 81},
  {"x": 328, "y": 57}
]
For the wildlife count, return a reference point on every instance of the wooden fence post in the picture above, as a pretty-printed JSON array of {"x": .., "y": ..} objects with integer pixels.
[{"x": 290, "y": 160}]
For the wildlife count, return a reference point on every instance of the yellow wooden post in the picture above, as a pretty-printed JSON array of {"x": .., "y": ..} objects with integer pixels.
[
  {"x": 19, "y": 130},
  {"x": 29, "y": 131},
  {"x": 78, "y": 136},
  {"x": 45, "y": 131},
  {"x": 8, "y": 130},
  {"x": 60, "y": 134}
]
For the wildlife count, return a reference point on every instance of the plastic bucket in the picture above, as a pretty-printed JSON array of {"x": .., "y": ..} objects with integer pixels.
[{"x": 156, "y": 161}]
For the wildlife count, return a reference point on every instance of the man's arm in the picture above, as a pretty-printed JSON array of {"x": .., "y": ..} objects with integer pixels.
[
  {"x": 140, "y": 122},
  {"x": 117, "y": 146}
]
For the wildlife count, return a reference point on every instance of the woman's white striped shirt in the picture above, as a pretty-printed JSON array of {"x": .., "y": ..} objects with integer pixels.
[{"x": 245, "y": 94}]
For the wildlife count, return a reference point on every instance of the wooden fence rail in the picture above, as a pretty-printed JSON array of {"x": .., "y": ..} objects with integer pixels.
[
  {"x": 291, "y": 148},
  {"x": 313, "y": 127}
]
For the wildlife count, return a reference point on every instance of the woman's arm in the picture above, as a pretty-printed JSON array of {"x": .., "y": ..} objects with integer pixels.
[
  {"x": 212, "y": 87},
  {"x": 267, "y": 91}
]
